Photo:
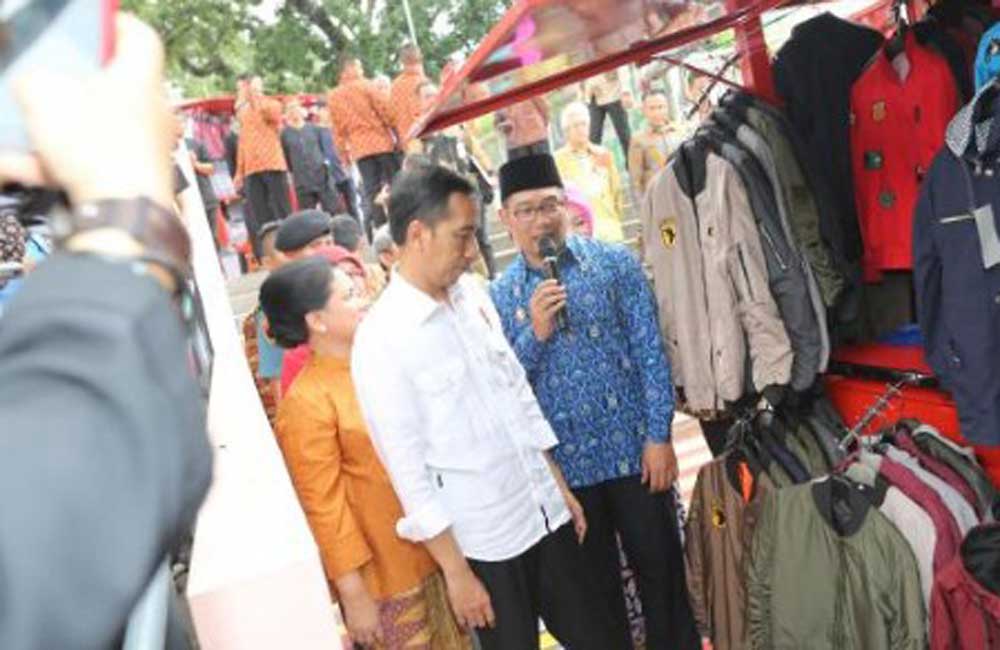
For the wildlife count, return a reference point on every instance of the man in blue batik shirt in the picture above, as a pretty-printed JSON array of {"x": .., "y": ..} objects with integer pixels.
[{"x": 604, "y": 385}]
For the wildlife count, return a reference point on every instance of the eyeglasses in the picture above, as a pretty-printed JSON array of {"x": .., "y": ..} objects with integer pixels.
[{"x": 548, "y": 207}]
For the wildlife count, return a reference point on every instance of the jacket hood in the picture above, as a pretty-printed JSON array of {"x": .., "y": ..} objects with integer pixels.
[{"x": 968, "y": 129}]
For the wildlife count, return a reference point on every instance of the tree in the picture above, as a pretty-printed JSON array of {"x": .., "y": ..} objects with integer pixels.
[{"x": 210, "y": 42}]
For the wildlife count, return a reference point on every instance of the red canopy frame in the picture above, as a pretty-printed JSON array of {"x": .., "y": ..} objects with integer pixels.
[{"x": 742, "y": 16}]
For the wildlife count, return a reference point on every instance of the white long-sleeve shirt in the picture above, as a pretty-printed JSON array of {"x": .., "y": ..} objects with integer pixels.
[{"x": 455, "y": 422}]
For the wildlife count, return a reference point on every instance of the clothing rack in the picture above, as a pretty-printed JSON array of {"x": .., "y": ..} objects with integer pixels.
[{"x": 876, "y": 409}]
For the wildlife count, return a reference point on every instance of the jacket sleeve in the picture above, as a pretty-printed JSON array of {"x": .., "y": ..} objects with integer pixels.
[
  {"x": 770, "y": 349},
  {"x": 104, "y": 458},
  {"x": 697, "y": 562},
  {"x": 645, "y": 343},
  {"x": 909, "y": 630},
  {"x": 944, "y": 627},
  {"x": 310, "y": 444},
  {"x": 927, "y": 282},
  {"x": 759, "y": 573}
]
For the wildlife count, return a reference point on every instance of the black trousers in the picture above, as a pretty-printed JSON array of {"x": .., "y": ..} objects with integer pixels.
[
  {"x": 310, "y": 197},
  {"x": 267, "y": 197},
  {"x": 647, "y": 525},
  {"x": 618, "y": 117},
  {"x": 545, "y": 581},
  {"x": 376, "y": 172},
  {"x": 349, "y": 195}
]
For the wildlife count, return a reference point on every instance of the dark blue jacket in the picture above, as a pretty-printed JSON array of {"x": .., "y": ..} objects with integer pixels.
[{"x": 957, "y": 269}]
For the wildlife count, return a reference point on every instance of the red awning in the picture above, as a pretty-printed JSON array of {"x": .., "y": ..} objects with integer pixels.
[{"x": 541, "y": 45}]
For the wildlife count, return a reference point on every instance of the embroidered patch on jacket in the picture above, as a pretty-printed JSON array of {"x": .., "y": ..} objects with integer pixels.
[
  {"x": 718, "y": 516},
  {"x": 879, "y": 111},
  {"x": 668, "y": 232}
]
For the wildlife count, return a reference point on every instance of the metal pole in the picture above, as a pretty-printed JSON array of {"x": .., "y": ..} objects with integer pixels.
[{"x": 409, "y": 22}]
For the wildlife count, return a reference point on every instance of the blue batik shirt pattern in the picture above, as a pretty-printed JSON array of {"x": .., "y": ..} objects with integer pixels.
[{"x": 604, "y": 385}]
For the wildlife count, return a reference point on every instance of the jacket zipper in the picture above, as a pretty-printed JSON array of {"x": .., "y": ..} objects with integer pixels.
[
  {"x": 774, "y": 247},
  {"x": 746, "y": 275}
]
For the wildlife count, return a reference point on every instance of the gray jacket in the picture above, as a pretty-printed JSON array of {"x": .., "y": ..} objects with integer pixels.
[
  {"x": 762, "y": 151},
  {"x": 709, "y": 271},
  {"x": 786, "y": 276}
]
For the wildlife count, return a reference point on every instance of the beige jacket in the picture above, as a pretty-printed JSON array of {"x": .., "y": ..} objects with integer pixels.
[{"x": 716, "y": 308}]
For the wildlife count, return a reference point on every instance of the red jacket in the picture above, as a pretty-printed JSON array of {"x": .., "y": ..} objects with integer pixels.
[
  {"x": 965, "y": 615},
  {"x": 897, "y": 127}
]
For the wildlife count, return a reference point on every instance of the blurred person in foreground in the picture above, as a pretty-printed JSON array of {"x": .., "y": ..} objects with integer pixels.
[
  {"x": 591, "y": 168},
  {"x": 261, "y": 169},
  {"x": 302, "y": 144},
  {"x": 614, "y": 429},
  {"x": 459, "y": 431},
  {"x": 391, "y": 593},
  {"x": 104, "y": 459}
]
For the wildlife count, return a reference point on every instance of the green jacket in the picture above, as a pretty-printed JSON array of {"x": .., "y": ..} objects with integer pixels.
[{"x": 813, "y": 588}]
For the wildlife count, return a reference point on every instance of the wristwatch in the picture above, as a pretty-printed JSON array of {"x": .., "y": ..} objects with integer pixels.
[{"x": 157, "y": 229}]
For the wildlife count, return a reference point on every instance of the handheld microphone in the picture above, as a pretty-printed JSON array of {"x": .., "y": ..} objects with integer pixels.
[{"x": 550, "y": 258}]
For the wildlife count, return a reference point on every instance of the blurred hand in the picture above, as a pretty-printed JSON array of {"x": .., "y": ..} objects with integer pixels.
[
  {"x": 659, "y": 466},
  {"x": 548, "y": 299},
  {"x": 579, "y": 518},
  {"x": 115, "y": 142},
  {"x": 361, "y": 617},
  {"x": 469, "y": 600}
]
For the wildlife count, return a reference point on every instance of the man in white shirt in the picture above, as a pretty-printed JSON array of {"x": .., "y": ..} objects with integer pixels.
[{"x": 461, "y": 435}]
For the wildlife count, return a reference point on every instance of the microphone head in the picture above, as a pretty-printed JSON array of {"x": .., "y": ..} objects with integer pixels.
[{"x": 547, "y": 246}]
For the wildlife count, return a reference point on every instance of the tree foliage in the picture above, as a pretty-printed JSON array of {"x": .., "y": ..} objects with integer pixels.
[{"x": 210, "y": 42}]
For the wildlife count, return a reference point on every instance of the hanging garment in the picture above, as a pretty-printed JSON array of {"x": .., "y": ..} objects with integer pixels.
[
  {"x": 940, "y": 470},
  {"x": 795, "y": 196},
  {"x": 786, "y": 276},
  {"x": 932, "y": 34},
  {"x": 910, "y": 519},
  {"x": 957, "y": 268},
  {"x": 719, "y": 531},
  {"x": 962, "y": 460},
  {"x": 965, "y": 516},
  {"x": 816, "y": 185},
  {"x": 716, "y": 308},
  {"x": 828, "y": 571},
  {"x": 813, "y": 73},
  {"x": 949, "y": 537},
  {"x": 900, "y": 109},
  {"x": 761, "y": 150},
  {"x": 965, "y": 607}
]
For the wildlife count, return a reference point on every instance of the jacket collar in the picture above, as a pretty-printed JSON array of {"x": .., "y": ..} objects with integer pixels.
[
  {"x": 841, "y": 505},
  {"x": 690, "y": 167},
  {"x": 972, "y": 127}
]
